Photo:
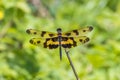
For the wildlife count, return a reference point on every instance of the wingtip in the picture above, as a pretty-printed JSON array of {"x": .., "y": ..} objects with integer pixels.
[
  {"x": 28, "y": 31},
  {"x": 90, "y": 28}
]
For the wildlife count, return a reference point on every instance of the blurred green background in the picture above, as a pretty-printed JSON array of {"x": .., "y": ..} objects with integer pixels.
[{"x": 97, "y": 60}]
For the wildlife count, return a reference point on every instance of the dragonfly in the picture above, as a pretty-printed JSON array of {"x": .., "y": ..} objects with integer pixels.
[{"x": 65, "y": 40}]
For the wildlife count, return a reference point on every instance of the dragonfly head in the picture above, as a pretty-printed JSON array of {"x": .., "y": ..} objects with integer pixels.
[{"x": 59, "y": 30}]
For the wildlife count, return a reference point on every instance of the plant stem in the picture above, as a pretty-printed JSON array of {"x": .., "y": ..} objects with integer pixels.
[{"x": 70, "y": 61}]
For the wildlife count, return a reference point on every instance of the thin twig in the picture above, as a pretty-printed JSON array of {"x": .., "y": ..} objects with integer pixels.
[{"x": 67, "y": 53}]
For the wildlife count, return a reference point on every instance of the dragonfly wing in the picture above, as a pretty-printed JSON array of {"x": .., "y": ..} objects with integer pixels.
[
  {"x": 78, "y": 32},
  {"x": 43, "y": 34}
]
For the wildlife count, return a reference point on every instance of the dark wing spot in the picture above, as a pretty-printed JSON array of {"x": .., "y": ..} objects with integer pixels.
[
  {"x": 90, "y": 28},
  {"x": 43, "y": 33},
  {"x": 66, "y": 45},
  {"x": 47, "y": 39},
  {"x": 64, "y": 38},
  {"x": 45, "y": 43},
  {"x": 67, "y": 34},
  {"x": 80, "y": 40},
  {"x": 35, "y": 33},
  {"x": 31, "y": 41},
  {"x": 28, "y": 31},
  {"x": 51, "y": 35},
  {"x": 87, "y": 39},
  {"x": 38, "y": 42},
  {"x": 74, "y": 42},
  {"x": 54, "y": 39},
  {"x": 54, "y": 46},
  {"x": 69, "y": 45},
  {"x": 50, "y": 46},
  {"x": 84, "y": 30},
  {"x": 76, "y": 32}
]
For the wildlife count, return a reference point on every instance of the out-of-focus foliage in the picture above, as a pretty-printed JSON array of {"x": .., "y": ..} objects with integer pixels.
[{"x": 97, "y": 60}]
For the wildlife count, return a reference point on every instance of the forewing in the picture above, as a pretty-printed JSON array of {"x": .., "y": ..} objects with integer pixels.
[
  {"x": 78, "y": 32},
  {"x": 43, "y": 34}
]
